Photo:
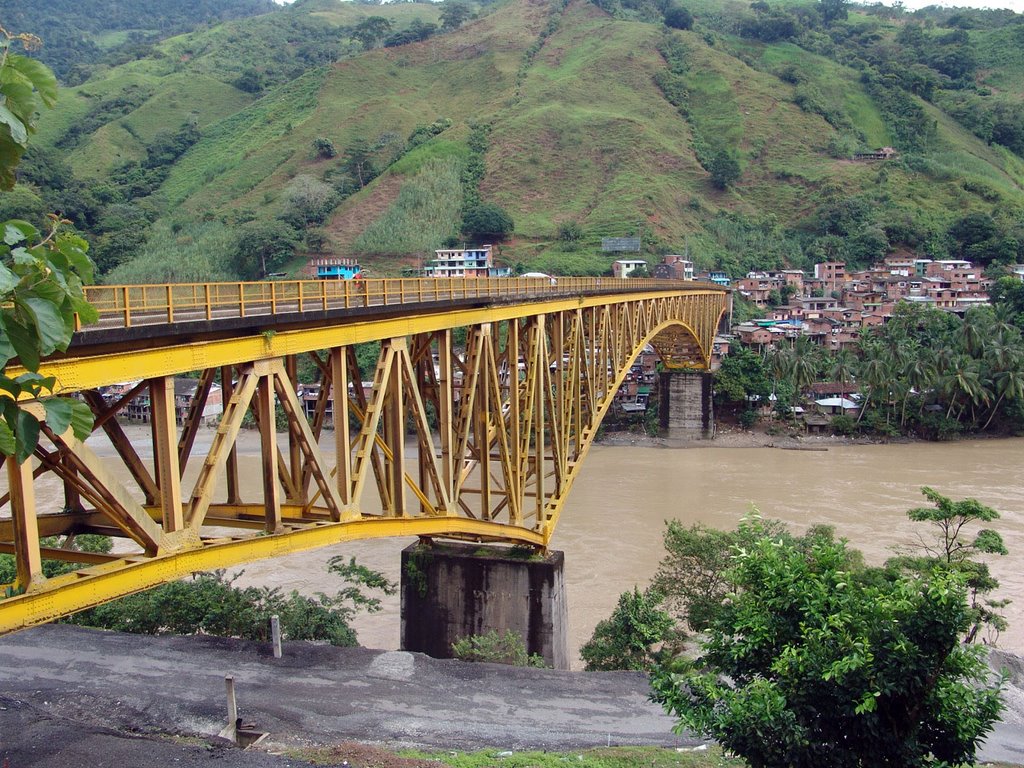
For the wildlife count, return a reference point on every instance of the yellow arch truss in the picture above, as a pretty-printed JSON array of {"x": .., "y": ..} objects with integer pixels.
[{"x": 475, "y": 426}]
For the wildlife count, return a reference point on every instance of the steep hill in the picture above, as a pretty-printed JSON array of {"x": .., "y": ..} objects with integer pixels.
[{"x": 734, "y": 139}]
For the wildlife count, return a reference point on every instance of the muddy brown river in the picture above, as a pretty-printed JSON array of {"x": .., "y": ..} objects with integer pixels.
[
  {"x": 611, "y": 530},
  {"x": 612, "y": 527}
]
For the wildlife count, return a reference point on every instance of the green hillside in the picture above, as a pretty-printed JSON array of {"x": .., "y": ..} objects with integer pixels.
[{"x": 314, "y": 130}]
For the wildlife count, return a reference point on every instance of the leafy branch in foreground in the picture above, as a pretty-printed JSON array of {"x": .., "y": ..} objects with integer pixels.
[{"x": 41, "y": 276}]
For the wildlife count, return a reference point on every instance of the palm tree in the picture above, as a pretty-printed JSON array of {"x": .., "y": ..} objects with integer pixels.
[
  {"x": 875, "y": 374},
  {"x": 962, "y": 378},
  {"x": 918, "y": 375},
  {"x": 841, "y": 369},
  {"x": 1009, "y": 383}
]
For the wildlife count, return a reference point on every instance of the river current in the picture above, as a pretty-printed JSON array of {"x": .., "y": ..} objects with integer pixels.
[{"x": 611, "y": 529}]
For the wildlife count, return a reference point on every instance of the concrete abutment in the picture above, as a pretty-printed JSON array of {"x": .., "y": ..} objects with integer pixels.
[
  {"x": 452, "y": 591},
  {"x": 685, "y": 405}
]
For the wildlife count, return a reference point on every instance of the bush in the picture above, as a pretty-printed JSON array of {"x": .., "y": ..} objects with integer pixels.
[
  {"x": 842, "y": 424},
  {"x": 748, "y": 418},
  {"x": 495, "y": 648},
  {"x": 324, "y": 147},
  {"x": 724, "y": 169},
  {"x": 678, "y": 17},
  {"x": 627, "y": 639},
  {"x": 487, "y": 220}
]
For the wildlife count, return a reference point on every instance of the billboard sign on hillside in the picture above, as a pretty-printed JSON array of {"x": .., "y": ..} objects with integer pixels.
[{"x": 619, "y": 244}]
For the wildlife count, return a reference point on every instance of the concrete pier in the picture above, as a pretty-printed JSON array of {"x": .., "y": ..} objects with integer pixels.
[
  {"x": 685, "y": 406},
  {"x": 451, "y": 591}
]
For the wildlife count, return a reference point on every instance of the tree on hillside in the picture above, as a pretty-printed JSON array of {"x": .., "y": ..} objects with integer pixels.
[
  {"x": 41, "y": 274},
  {"x": 454, "y": 13},
  {"x": 833, "y": 10},
  {"x": 724, "y": 169},
  {"x": 487, "y": 221},
  {"x": 370, "y": 31},
  {"x": 678, "y": 17},
  {"x": 264, "y": 247},
  {"x": 307, "y": 201},
  {"x": 814, "y": 661}
]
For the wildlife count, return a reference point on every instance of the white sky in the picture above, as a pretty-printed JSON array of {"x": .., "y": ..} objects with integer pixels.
[{"x": 1013, "y": 5}]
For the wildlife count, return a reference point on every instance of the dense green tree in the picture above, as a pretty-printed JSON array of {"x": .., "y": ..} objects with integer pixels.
[
  {"x": 724, "y": 169},
  {"x": 816, "y": 661},
  {"x": 454, "y": 13},
  {"x": 833, "y": 10},
  {"x": 678, "y": 17},
  {"x": 210, "y": 604},
  {"x": 742, "y": 379},
  {"x": 263, "y": 248},
  {"x": 370, "y": 31},
  {"x": 628, "y": 639},
  {"x": 487, "y": 221}
]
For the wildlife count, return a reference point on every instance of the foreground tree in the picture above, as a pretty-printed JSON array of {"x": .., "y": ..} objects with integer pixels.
[
  {"x": 41, "y": 273},
  {"x": 813, "y": 661},
  {"x": 952, "y": 549}
]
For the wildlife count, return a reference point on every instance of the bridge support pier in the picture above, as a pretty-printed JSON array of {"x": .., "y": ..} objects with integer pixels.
[
  {"x": 452, "y": 591},
  {"x": 685, "y": 407}
]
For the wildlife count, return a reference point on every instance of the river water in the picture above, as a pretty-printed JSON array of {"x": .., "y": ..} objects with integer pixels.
[{"x": 611, "y": 529}]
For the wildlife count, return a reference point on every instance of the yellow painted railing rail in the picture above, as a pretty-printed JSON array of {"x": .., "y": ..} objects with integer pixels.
[{"x": 134, "y": 305}]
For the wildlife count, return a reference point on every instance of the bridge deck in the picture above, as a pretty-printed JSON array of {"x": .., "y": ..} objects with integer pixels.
[{"x": 485, "y": 398}]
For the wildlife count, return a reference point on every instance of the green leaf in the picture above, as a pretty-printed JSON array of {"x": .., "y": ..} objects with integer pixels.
[
  {"x": 40, "y": 76},
  {"x": 49, "y": 325},
  {"x": 11, "y": 386},
  {"x": 59, "y": 411},
  {"x": 18, "y": 130},
  {"x": 35, "y": 382},
  {"x": 7, "y": 350},
  {"x": 18, "y": 230},
  {"x": 7, "y": 442},
  {"x": 8, "y": 280},
  {"x": 26, "y": 436},
  {"x": 24, "y": 340},
  {"x": 81, "y": 419}
]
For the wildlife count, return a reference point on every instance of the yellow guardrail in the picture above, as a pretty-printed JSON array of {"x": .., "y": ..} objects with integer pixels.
[{"x": 131, "y": 305}]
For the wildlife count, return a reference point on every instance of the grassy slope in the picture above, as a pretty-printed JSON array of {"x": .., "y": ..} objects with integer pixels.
[{"x": 579, "y": 133}]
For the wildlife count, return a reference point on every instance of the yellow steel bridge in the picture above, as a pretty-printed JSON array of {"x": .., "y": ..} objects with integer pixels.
[{"x": 485, "y": 398}]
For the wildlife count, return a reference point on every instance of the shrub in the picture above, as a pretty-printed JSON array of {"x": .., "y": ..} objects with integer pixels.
[
  {"x": 843, "y": 425},
  {"x": 487, "y": 220},
  {"x": 627, "y": 638},
  {"x": 495, "y": 648},
  {"x": 678, "y": 17}
]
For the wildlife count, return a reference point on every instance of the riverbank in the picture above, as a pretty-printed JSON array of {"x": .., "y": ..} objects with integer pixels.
[{"x": 732, "y": 436}]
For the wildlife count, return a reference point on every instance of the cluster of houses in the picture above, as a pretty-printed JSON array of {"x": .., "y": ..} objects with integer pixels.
[{"x": 835, "y": 306}]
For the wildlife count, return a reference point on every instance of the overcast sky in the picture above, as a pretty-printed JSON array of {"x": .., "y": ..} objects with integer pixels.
[{"x": 1013, "y": 5}]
